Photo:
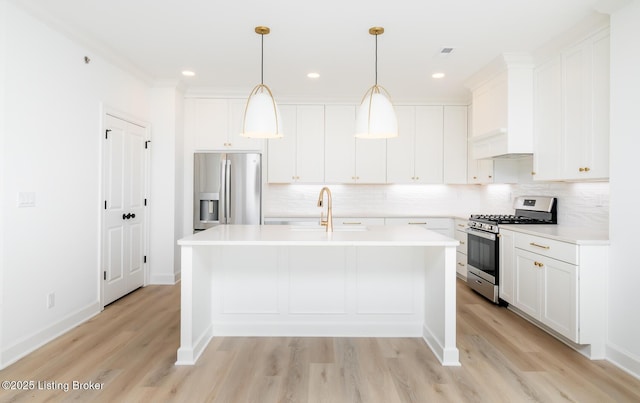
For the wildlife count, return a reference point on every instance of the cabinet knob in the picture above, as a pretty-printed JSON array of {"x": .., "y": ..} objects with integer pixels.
[
  {"x": 490, "y": 176},
  {"x": 584, "y": 169},
  {"x": 581, "y": 169},
  {"x": 475, "y": 177},
  {"x": 539, "y": 264},
  {"x": 533, "y": 173}
]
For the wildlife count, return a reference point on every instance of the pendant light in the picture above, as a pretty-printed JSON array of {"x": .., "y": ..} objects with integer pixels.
[
  {"x": 376, "y": 118},
  {"x": 261, "y": 114}
]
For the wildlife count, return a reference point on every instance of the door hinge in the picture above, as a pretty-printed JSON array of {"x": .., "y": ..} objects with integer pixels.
[
  {"x": 146, "y": 144},
  {"x": 105, "y": 204},
  {"x": 104, "y": 275},
  {"x": 145, "y": 202},
  {"x": 106, "y": 133},
  {"x": 145, "y": 260}
]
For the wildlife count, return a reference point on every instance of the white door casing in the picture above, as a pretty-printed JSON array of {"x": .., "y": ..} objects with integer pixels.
[{"x": 124, "y": 222}]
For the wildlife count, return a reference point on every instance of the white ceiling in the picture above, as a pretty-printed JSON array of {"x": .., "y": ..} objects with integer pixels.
[{"x": 216, "y": 40}]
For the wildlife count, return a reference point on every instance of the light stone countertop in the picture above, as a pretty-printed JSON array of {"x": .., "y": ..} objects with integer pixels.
[
  {"x": 281, "y": 235},
  {"x": 574, "y": 235}
]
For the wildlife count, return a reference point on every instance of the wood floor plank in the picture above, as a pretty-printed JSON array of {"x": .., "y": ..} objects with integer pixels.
[{"x": 131, "y": 349}]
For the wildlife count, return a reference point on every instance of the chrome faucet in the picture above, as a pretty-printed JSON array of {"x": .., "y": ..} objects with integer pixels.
[{"x": 329, "y": 221}]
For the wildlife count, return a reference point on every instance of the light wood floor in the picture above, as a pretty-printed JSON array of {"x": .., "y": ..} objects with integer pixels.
[{"x": 131, "y": 348}]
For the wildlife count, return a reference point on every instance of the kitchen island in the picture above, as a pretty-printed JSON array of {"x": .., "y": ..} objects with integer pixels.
[{"x": 377, "y": 281}]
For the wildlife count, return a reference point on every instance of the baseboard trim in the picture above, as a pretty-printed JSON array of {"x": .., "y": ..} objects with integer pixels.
[
  {"x": 624, "y": 360},
  {"x": 164, "y": 279},
  {"x": 33, "y": 342}
]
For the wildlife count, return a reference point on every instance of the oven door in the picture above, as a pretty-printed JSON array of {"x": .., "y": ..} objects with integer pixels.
[{"x": 482, "y": 254}]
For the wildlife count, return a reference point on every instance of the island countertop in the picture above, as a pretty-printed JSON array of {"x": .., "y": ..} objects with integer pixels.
[{"x": 292, "y": 235}]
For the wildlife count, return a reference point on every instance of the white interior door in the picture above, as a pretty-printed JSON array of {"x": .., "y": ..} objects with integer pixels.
[{"x": 123, "y": 233}]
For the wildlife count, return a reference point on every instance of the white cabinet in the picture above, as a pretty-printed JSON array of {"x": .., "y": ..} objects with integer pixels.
[
  {"x": 441, "y": 225},
  {"x": 557, "y": 284},
  {"x": 571, "y": 113},
  {"x": 546, "y": 290},
  {"x": 454, "y": 151},
  {"x": 415, "y": 156},
  {"x": 299, "y": 155},
  {"x": 502, "y": 108},
  {"x": 479, "y": 171},
  {"x": 460, "y": 234},
  {"x": 216, "y": 124},
  {"x": 346, "y": 221},
  {"x": 347, "y": 159},
  {"x": 506, "y": 266},
  {"x": 431, "y": 146}
]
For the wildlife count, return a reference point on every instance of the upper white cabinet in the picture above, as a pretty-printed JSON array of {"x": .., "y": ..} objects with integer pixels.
[
  {"x": 217, "y": 123},
  {"x": 299, "y": 155},
  {"x": 454, "y": 150},
  {"x": 502, "y": 108},
  {"x": 415, "y": 156},
  {"x": 571, "y": 113},
  {"x": 431, "y": 146},
  {"x": 347, "y": 159}
]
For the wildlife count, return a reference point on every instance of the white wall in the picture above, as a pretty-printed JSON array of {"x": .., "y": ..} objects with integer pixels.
[
  {"x": 166, "y": 183},
  {"x": 51, "y": 146},
  {"x": 624, "y": 298}
]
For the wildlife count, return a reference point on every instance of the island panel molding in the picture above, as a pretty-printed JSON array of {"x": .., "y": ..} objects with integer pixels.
[{"x": 276, "y": 281}]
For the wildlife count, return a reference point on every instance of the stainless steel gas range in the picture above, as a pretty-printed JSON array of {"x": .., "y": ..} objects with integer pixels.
[{"x": 483, "y": 243}]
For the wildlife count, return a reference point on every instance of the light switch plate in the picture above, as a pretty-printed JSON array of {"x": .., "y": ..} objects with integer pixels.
[{"x": 26, "y": 199}]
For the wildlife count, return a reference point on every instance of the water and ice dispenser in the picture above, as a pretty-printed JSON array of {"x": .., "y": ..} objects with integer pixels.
[{"x": 209, "y": 203}]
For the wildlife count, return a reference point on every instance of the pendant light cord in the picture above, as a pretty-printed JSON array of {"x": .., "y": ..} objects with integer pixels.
[
  {"x": 376, "y": 59},
  {"x": 262, "y": 59}
]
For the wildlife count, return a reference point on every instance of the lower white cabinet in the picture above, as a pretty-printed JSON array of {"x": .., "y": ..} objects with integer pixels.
[
  {"x": 560, "y": 285},
  {"x": 460, "y": 233},
  {"x": 506, "y": 265},
  {"x": 345, "y": 221},
  {"x": 441, "y": 225},
  {"x": 546, "y": 290}
]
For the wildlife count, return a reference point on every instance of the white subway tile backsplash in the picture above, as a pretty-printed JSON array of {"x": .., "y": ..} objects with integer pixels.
[{"x": 579, "y": 204}]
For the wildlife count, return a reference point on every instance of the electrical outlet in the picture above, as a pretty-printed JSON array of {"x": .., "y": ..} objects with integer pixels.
[{"x": 51, "y": 300}]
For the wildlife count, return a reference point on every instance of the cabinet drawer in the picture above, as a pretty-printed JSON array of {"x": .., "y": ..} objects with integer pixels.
[
  {"x": 427, "y": 222},
  {"x": 461, "y": 264},
  {"x": 461, "y": 236},
  {"x": 357, "y": 221},
  {"x": 563, "y": 251}
]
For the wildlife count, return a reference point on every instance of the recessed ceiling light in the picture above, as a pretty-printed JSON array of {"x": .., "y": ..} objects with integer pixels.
[
  {"x": 437, "y": 75},
  {"x": 188, "y": 73},
  {"x": 313, "y": 75}
]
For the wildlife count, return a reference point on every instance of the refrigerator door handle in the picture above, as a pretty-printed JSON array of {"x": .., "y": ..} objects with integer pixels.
[
  {"x": 227, "y": 191},
  {"x": 223, "y": 205}
]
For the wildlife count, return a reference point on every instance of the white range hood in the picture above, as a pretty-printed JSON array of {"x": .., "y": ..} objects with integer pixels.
[{"x": 502, "y": 108}]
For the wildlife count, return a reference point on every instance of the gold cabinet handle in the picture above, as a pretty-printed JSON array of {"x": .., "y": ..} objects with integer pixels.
[
  {"x": 351, "y": 223},
  {"x": 533, "y": 173},
  {"x": 460, "y": 264},
  {"x": 417, "y": 223},
  {"x": 462, "y": 242},
  {"x": 539, "y": 246},
  {"x": 461, "y": 225},
  {"x": 539, "y": 264},
  {"x": 584, "y": 169}
]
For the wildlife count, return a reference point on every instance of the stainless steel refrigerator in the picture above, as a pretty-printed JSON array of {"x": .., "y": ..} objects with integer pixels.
[{"x": 227, "y": 189}]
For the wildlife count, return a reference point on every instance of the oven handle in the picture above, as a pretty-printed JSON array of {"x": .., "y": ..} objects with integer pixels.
[{"x": 482, "y": 234}]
